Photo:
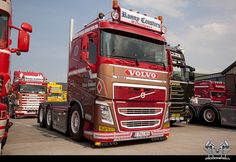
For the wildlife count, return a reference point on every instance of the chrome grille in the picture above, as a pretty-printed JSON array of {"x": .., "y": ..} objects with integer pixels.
[
  {"x": 177, "y": 99},
  {"x": 136, "y": 111},
  {"x": 140, "y": 123},
  {"x": 31, "y": 102}
]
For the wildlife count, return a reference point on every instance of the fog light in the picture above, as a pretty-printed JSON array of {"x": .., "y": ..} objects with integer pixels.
[{"x": 106, "y": 129}]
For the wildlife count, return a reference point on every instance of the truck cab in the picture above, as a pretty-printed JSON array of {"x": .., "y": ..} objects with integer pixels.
[
  {"x": 181, "y": 85},
  {"x": 56, "y": 93},
  {"x": 30, "y": 89},
  {"x": 118, "y": 81}
]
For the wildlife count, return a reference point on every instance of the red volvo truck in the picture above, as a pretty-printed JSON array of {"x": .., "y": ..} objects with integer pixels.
[
  {"x": 29, "y": 90},
  {"x": 118, "y": 81},
  {"x": 5, "y": 52},
  {"x": 211, "y": 104}
]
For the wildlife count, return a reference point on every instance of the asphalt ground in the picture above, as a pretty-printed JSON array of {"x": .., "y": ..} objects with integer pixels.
[{"x": 27, "y": 138}]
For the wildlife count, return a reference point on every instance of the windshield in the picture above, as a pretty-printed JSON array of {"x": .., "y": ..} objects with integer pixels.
[
  {"x": 218, "y": 94},
  {"x": 133, "y": 47},
  {"x": 55, "y": 88},
  {"x": 3, "y": 30},
  {"x": 32, "y": 89},
  {"x": 56, "y": 95},
  {"x": 178, "y": 74}
]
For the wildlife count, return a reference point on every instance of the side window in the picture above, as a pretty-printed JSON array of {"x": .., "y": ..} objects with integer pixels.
[{"x": 92, "y": 51}]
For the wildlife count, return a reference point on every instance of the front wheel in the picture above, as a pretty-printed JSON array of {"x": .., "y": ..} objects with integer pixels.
[
  {"x": 75, "y": 123},
  {"x": 41, "y": 118},
  {"x": 190, "y": 115}
]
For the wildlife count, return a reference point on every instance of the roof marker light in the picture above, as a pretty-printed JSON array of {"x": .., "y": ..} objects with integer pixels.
[
  {"x": 115, "y": 4},
  {"x": 160, "y": 18},
  {"x": 115, "y": 15}
]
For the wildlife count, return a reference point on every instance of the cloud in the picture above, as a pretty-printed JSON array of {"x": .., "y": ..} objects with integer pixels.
[
  {"x": 209, "y": 47},
  {"x": 169, "y": 8}
]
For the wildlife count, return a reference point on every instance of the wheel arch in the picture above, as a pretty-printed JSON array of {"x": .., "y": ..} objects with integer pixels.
[
  {"x": 194, "y": 110},
  {"x": 74, "y": 101}
]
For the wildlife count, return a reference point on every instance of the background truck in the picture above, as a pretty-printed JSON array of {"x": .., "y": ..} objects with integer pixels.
[
  {"x": 56, "y": 93},
  {"x": 5, "y": 52},
  {"x": 29, "y": 90},
  {"x": 181, "y": 85},
  {"x": 118, "y": 81},
  {"x": 211, "y": 104}
]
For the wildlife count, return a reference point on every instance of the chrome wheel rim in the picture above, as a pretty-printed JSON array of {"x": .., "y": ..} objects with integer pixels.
[
  {"x": 209, "y": 115},
  {"x": 41, "y": 116},
  {"x": 75, "y": 122},
  {"x": 49, "y": 117}
]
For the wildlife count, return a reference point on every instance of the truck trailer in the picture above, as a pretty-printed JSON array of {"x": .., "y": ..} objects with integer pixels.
[
  {"x": 211, "y": 104},
  {"x": 5, "y": 51},
  {"x": 118, "y": 81}
]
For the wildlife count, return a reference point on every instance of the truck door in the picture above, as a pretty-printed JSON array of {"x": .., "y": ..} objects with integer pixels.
[{"x": 89, "y": 81}]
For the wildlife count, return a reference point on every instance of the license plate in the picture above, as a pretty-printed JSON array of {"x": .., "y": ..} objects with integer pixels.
[{"x": 142, "y": 134}]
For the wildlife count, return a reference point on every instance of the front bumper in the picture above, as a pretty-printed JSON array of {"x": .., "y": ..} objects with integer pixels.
[{"x": 126, "y": 136}]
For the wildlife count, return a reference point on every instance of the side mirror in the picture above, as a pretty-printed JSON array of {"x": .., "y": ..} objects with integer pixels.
[
  {"x": 26, "y": 27},
  {"x": 49, "y": 89},
  {"x": 85, "y": 40},
  {"x": 23, "y": 38},
  {"x": 192, "y": 69},
  {"x": 192, "y": 76},
  {"x": 5, "y": 84},
  {"x": 23, "y": 41}
]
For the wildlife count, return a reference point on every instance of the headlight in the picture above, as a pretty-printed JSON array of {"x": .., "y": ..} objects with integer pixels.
[
  {"x": 106, "y": 114},
  {"x": 167, "y": 116}
]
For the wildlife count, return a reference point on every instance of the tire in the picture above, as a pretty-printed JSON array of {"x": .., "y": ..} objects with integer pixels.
[
  {"x": 191, "y": 115},
  {"x": 172, "y": 122},
  {"x": 48, "y": 118},
  {"x": 41, "y": 118},
  {"x": 209, "y": 116},
  {"x": 75, "y": 124}
]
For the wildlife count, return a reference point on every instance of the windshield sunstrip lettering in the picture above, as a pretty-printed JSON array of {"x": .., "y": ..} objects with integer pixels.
[{"x": 140, "y": 20}]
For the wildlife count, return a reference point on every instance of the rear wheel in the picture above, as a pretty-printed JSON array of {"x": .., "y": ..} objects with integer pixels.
[
  {"x": 209, "y": 116},
  {"x": 41, "y": 118},
  {"x": 49, "y": 118},
  {"x": 76, "y": 123}
]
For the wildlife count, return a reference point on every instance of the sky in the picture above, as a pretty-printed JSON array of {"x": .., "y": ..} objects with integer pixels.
[{"x": 204, "y": 28}]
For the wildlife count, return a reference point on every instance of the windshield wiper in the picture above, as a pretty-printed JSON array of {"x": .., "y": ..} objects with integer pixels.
[
  {"x": 159, "y": 63},
  {"x": 128, "y": 58}
]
